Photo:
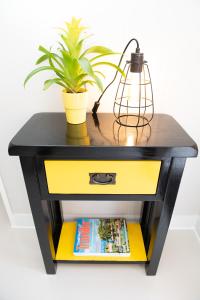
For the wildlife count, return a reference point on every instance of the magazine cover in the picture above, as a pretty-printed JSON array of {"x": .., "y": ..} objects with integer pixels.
[{"x": 101, "y": 237}]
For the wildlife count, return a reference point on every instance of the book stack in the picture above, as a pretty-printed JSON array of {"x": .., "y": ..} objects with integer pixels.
[{"x": 101, "y": 237}]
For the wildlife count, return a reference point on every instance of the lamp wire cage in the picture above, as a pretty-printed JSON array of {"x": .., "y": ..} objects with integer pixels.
[
  {"x": 136, "y": 111},
  {"x": 139, "y": 111}
]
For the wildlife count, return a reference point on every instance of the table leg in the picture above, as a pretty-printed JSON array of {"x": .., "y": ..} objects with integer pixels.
[
  {"x": 44, "y": 214},
  {"x": 161, "y": 215},
  {"x": 146, "y": 222}
]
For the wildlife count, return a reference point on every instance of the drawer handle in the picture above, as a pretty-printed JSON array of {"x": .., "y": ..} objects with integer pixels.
[{"x": 102, "y": 178}]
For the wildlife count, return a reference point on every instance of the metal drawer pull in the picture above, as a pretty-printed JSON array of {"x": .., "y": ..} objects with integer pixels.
[{"x": 102, "y": 178}]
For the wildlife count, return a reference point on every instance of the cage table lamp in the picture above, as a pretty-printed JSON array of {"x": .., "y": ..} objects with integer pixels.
[{"x": 133, "y": 104}]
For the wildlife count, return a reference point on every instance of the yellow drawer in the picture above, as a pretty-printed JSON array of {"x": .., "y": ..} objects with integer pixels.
[{"x": 73, "y": 177}]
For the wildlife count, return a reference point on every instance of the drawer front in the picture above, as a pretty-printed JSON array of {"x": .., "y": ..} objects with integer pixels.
[{"x": 102, "y": 177}]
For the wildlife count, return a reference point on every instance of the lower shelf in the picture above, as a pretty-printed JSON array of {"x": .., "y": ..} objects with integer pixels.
[{"x": 67, "y": 238}]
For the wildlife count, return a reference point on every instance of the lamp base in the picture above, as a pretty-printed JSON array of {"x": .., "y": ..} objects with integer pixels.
[{"x": 132, "y": 120}]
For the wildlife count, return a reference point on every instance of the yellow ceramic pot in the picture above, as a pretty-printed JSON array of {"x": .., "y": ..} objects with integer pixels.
[{"x": 75, "y": 105}]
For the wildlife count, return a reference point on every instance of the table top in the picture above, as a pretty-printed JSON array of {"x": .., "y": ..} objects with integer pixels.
[{"x": 48, "y": 134}]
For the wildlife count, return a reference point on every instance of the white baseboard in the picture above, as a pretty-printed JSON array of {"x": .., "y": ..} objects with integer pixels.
[
  {"x": 22, "y": 221},
  {"x": 197, "y": 228},
  {"x": 16, "y": 220},
  {"x": 183, "y": 222},
  {"x": 6, "y": 203}
]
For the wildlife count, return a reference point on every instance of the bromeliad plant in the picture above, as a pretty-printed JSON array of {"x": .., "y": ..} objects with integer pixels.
[{"x": 73, "y": 66}]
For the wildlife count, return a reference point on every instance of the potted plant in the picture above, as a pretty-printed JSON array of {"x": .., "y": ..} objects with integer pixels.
[{"x": 74, "y": 68}]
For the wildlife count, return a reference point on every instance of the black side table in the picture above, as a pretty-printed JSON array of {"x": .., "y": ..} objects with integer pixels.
[{"x": 99, "y": 160}]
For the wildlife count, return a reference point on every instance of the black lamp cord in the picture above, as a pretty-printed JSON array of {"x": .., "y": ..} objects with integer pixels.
[{"x": 97, "y": 103}]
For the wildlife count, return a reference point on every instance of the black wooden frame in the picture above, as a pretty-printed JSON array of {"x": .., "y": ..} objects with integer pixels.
[
  {"x": 155, "y": 218},
  {"x": 43, "y": 137}
]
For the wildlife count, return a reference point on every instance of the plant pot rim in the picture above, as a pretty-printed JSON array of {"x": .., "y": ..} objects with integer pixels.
[{"x": 84, "y": 91}]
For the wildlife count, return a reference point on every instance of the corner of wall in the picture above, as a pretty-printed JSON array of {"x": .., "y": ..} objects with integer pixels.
[
  {"x": 16, "y": 220},
  {"x": 197, "y": 227}
]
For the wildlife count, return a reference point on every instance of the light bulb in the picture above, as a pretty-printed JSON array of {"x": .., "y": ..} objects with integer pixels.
[{"x": 133, "y": 91}]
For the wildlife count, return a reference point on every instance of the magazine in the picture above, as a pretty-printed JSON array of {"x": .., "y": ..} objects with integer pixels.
[{"x": 101, "y": 237}]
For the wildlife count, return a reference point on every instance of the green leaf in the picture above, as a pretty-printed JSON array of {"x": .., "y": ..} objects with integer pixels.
[
  {"x": 71, "y": 66},
  {"x": 49, "y": 82},
  {"x": 78, "y": 48},
  {"x": 31, "y": 74},
  {"x": 86, "y": 66},
  {"x": 83, "y": 83},
  {"x": 99, "y": 83},
  {"x": 100, "y": 73},
  {"x": 42, "y": 49},
  {"x": 111, "y": 65},
  {"x": 101, "y": 55},
  {"x": 69, "y": 85},
  {"x": 81, "y": 76},
  {"x": 67, "y": 43},
  {"x": 58, "y": 72},
  {"x": 97, "y": 49},
  {"x": 63, "y": 48},
  {"x": 92, "y": 82},
  {"x": 49, "y": 55},
  {"x": 57, "y": 59},
  {"x": 41, "y": 59}
]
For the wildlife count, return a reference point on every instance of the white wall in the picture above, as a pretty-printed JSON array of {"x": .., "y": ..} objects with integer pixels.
[{"x": 168, "y": 32}]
